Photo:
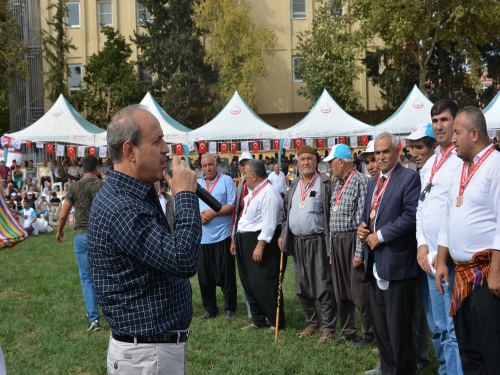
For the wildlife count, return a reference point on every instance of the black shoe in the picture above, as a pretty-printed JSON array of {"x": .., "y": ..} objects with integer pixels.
[
  {"x": 230, "y": 315},
  {"x": 206, "y": 315},
  {"x": 94, "y": 326},
  {"x": 363, "y": 343},
  {"x": 345, "y": 337}
]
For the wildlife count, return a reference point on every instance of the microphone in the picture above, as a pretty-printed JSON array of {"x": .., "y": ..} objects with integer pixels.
[{"x": 204, "y": 195}]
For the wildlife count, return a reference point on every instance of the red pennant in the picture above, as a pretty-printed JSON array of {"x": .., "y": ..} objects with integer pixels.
[
  {"x": 320, "y": 143},
  {"x": 234, "y": 147},
  {"x": 400, "y": 146},
  {"x": 50, "y": 148},
  {"x": 255, "y": 146},
  {"x": 298, "y": 143},
  {"x": 92, "y": 151},
  {"x": 71, "y": 151},
  {"x": 7, "y": 141},
  {"x": 276, "y": 144},
  {"x": 364, "y": 140},
  {"x": 28, "y": 144},
  {"x": 224, "y": 146},
  {"x": 178, "y": 149},
  {"x": 342, "y": 140},
  {"x": 202, "y": 147}
]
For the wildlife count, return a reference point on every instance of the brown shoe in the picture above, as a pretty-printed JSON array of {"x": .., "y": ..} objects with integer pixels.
[
  {"x": 325, "y": 337},
  {"x": 308, "y": 332}
]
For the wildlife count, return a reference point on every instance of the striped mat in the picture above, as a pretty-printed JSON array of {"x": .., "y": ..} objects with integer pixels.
[{"x": 11, "y": 232}]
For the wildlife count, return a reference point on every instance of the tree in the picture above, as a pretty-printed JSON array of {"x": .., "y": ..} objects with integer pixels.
[
  {"x": 237, "y": 46},
  {"x": 110, "y": 79},
  {"x": 55, "y": 48},
  {"x": 171, "y": 50},
  {"x": 330, "y": 53}
]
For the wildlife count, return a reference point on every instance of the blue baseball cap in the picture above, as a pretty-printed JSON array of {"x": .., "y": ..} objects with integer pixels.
[
  {"x": 423, "y": 129},
  {"x": 339, "y": 151}
]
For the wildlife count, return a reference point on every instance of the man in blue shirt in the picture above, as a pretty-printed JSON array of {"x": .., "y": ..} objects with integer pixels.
[
  {"x": 216, "y": 265},
  {"x": 139, "y": 268}
]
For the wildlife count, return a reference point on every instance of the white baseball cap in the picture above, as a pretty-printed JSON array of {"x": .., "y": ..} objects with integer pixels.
[
  {"x": 370, "y": 148},
  {"x": 245, "y": 156},
  {"x": 423, "y": 129}
]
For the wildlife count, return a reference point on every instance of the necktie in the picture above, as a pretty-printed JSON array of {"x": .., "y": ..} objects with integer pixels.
[{"x": 372, "y": 222}]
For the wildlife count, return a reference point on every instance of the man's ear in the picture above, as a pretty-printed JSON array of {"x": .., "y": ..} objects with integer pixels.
[{"x": 129, "y": 151}]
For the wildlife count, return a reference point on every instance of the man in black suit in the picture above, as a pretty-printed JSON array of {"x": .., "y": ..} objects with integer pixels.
[{"x": 388, "y": 227}]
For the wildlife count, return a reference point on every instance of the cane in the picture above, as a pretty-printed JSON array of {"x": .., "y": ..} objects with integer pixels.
[{"x": 280, "y": 284}]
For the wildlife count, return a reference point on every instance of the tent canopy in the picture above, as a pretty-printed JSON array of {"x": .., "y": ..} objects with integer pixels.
[
  {"x": 327, "y": 118},
  {"x": 62, "y": 123},
  {"x": 492, "y": 113},
  {"x": 415, "y": 109},
  {"x": 172, "y": 130},
  {"x": 235, "y": 121}
]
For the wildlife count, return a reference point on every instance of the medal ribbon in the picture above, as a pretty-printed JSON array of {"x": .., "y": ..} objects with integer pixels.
[
  {"x": 213, "y": 185},
  {"x": 339, "y": 194},
  {"x": 380, "y": 192},
  {"x": 465, "y": 181},
  {"x": 159, "y": 194},
  {"x": 303, "y": 193},
  {"x": 436, "y": 165},
  {"x": 254, "y": 194}
]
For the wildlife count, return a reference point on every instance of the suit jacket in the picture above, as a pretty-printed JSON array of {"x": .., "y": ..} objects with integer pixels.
[
  {"x": 326, "y": 195},
  {"x": 396, "y": 257},
  {"x": 236, "y": 209}
]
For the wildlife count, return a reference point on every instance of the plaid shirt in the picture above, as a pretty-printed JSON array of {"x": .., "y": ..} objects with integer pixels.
[
  {"x": 351, "y": 207},
  {"x": 141, "y": 270}
]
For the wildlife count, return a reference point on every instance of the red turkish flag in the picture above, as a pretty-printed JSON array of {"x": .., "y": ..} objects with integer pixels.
[
  {"x": 28, "y": 144},
  {"x": 234, "y": 147},
  {"x": 364, "y": 140},
  {"x": 202, "y": 147},
  {"x": 92, "y": 151},
  {"x": 50, "y": 148},
  {"x": 71, "y": 151},
  {"x": 178, "y": 149},
  {"x": 320, "y": 143},
  {"x": 400, "y": 145},
  {"x": 255, "y": 146},
  {"x": 342, "y": 140},
  {"x": 276, "y": 144},
  {"x": 298, "y": 143},
  {"x": 224, "y": 146}
]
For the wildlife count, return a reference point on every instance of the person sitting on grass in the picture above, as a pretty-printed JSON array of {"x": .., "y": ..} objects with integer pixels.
[
  {"x": 30, "y": 199},
  {"x": 55, "y": 207},
  {"x": 29, "y": 216},
  {"x": 43, "y": 207}
]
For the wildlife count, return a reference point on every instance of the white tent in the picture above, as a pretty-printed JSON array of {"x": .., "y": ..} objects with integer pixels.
[
  {"x": 172, "y": 130},
  {"x": 415, "y": 109},
  {"x": 235, "y": 121},
  {"x": 492, "y": 113},
  {"x": 325, "y": 119},
  {"x": 62, "y": 123}
]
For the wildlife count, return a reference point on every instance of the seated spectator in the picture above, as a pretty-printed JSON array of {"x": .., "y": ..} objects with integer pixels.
[
  {"x": 29, "y": 216},
  {"x": 30, "y": 186},
  {"x": 14, "y": 165},
  {"x": 43, "y": 208},
  {"x": 44, "y": 173},
  {"x": 31, "y": 172},
  {"x": 3, "y": 185},
  {"x": 10, "y": 189},
  {"x": 55, "y": 207},
  {"x": 25, "y": 164},
  {"x": 234, "y": 169},
  {"x": 66, "y": 184},
  {"x": 223, "y": 169},
  {"x": 49, "y": 189},
  {"x": 18, "y": 177},
  {"x": 60, "y": 173},
  {"x": 104, "y": 169},
  {"x": 30, "y": 199},
  {"x": 4, "y": 170},
  {"x": 74, "y": 171},
  {"x": 14, "y": 203}
]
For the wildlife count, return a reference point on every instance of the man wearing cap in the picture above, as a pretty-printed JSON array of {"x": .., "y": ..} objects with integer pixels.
[
  {"x": 305, "y": 236},
  {"x": 387, "y": 227},
  {"x": 29, "y": 215},
  {"x": 368, "y": 157},
  {"x": 31, "y": 199},
  {"x": 346, "y": 257},
  {"x": 277, "y": 179}
]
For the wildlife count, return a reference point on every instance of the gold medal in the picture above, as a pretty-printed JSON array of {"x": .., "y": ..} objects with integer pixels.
[
  {"x": 335, "y": 208},
  {"x": 459, "y": 200},
  {"x": 372, "y": 214},
  {"x": 302, "y": 204}
]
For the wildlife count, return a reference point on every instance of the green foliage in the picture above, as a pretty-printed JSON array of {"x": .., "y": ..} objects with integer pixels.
[
  {"x": 171, "y": 49},
  {"x": 55, "y": 48},
  {"x": 236, "y": 47},
  {"x": 111, "y": 81},
  {"x": 330, "y": 52}
]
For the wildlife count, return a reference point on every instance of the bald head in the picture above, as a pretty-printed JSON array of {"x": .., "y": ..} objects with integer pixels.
[{"x": 473, "y": 118}]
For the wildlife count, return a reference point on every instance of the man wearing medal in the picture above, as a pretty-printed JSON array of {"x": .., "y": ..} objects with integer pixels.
[
  {"x": 388, "y": 228},
  {"x": 305, "y": 236},
  {"x": 439, "y": 165},
  {"x": 470, "y": 236},
  {"x": 216, "y": 265},
  {"x": 346, "y": 257}
]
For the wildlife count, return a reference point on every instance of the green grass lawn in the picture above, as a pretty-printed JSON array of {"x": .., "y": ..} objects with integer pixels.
[{"x": 43, "y": 326}]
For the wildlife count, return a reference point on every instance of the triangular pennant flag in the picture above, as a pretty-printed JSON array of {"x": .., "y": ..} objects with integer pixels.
[
  {"x": 103, "y": 150},
  {"x": 81, "y": 151}
]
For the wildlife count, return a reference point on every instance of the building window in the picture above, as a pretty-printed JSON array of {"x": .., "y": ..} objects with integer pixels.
[
  {"x": 335, "y": 7},
  {"x": 105, "y": 10},
  {"x": 145, "y": 75},
  {"x": 73, "y": 14},
  {"x": 298, "y": 8},
  {"x": 75, "y": 76},
  {"x": 143, "y": 14},
  {"x": 295, "y": 61}
]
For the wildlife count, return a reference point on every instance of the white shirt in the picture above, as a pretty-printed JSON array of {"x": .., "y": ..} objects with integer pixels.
[
  {"x": 430, "y": 212},
  {"x": 475, "y": 225},
  {"x": 278, "y": 182},
  {"x": 386, "y": 175},
  {"x": 163, "y": 203},
  {"x": 264, "y": 213}
]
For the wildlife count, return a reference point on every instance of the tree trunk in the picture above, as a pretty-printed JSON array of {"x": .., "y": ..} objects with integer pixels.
[{"x": 421, "y": 77}]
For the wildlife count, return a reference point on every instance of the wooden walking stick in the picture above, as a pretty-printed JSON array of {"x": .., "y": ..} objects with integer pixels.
[{"x": 280, "y": 284}]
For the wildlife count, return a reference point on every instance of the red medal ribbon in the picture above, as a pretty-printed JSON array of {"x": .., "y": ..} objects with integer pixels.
[
  {"x": 339, "y": 195},
  {"x": 213, "y": 185},
  {"x": 465, "y": 181},
  {"x": 436, "y": 165},
  {"x": 159, "y": 194},
  {"x": 303, "y": 193},
  {"x": 255, "y": 192},
  {"x": 380, "y": 192}
]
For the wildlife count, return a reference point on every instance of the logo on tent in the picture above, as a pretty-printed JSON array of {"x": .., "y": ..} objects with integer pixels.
[
  {"x": 326, "y": 108},
  {"x": 418, "y": 104},
  {"x": 57, "y": 112},
  {"x": 235, "y": 110}
]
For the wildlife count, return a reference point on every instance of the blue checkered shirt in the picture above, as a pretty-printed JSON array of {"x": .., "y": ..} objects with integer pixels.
[{"x": 140, "y": 270}]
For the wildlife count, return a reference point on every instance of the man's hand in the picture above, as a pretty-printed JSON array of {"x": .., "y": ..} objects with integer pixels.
[
  {"x": 357, "y": 261},
  {"x": 183, "y": 178},
  {"x": 422, "y": 259},
  {"x": 494, "y": 278},
  {"x": 232, "y": 249},
  {"x": 59, "y": 236},
  {"x": 258, "y": 253},
  {"x": 207, "y": 215},
  {"x": 372, "y": 241},
  {"x": 441, "y": 273},
  {"x": 280, "y": 242},
  {"x": 363, "y": 232}
]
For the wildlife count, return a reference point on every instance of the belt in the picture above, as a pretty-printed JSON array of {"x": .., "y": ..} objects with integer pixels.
[{"x": 174, "y": 337}]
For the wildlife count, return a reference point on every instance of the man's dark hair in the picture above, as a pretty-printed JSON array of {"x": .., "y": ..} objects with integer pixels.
[
  {"x": 257, "y": 167},
  {"x": 89, "y": 163},
  {"x": 442, "y": 105},
  {"x": 428, "y": 142},
  {"x": 475, "y": 119},
  {"x": 31, "y": 160}
]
